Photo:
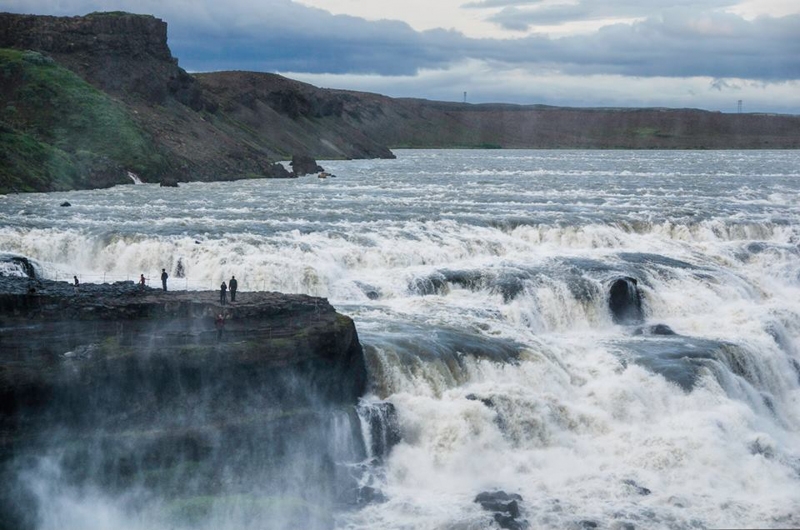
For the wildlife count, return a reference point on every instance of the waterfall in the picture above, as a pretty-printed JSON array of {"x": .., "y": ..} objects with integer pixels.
[
  {"x": 134, "y": 177},
  {"x": 612, "y": 336}
]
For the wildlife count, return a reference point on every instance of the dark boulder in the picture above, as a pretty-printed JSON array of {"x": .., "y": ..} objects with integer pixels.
[
  {"x": 505, "y": 507},
  {"x": 168, "y": 181},
  {"x": 636, "y": 488},
  {"x": 13, "y": 265},
  {"x": 656, "y": 329},
  {"x": 277, "y": 171},
  {"x": 509, "y": 523},
  {"x": 304, "y": 165},
  {"x": 625, "y": 301},
  {"x": 383, "y": 427},
  {"x": 499, "y": 501},
  {"x": 372, "y": 292},
  {"x": 65, "y": 203}
]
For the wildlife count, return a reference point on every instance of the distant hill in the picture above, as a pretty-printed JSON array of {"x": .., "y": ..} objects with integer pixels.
[{"x": 85, "y": 100}]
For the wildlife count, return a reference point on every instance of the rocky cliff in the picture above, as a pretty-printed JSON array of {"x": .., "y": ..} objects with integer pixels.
[{"x": 140, "y": 390}]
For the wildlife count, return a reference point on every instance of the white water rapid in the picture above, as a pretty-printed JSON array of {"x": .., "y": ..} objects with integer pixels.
[{"x": 479, "y": 283}]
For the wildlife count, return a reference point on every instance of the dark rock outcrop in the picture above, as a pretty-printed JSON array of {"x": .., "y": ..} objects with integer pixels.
[
  {"x": 505, "y": 507},
  {"x": 655, "y": 329},
  {"x": 120, "y": 53},
  {"x": 636, "y": 488},
  {"x": 16, "y": 265},
  {"x": 168, "y": 181},
  {"x": 135, "y": 390},
  {"x": 384, "y": 430},
  {"x": 625, "y": 301},
  {"x": 304, "y": 165}
]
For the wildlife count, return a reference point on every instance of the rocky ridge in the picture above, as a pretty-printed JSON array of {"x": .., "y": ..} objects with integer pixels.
[
  {"x": 137, "y": 389},
  {"x": 232, "y": 125}
]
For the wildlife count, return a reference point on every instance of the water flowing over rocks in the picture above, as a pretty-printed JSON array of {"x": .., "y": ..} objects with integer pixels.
[
  {"x": 505, "y": 508},
  {"x": 136, "y": 389},
  {"x": 382, "y": 428},
  {"x": 625, "y": 301}
]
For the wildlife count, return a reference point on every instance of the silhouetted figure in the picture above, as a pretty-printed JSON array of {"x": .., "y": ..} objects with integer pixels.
[
  {"x": 164, "y": 277},
  {"x": 77, "y": 283},
  {"x": 141, "y": 281},
  {"x": 222, "y": 293},
  {"x": 233, "y": 285},
  {"x": 219, "y": 323}
]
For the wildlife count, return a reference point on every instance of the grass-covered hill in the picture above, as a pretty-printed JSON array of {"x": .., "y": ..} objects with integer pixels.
[{"x": 58, "y": 132}]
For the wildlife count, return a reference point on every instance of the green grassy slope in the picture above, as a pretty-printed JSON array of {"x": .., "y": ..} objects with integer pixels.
[{"x": 57, "y": 132}]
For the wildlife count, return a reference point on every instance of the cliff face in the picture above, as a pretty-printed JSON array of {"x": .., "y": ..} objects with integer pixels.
[
  {"x": 143, "y": 391},
  {"x": 120, "y": 53}
]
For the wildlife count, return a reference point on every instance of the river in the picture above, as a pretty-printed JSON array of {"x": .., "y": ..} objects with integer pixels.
[{"x": 479, "y": 283}]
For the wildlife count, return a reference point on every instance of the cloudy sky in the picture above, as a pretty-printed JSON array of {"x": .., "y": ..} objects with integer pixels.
[{"x": 705, "y": 54}]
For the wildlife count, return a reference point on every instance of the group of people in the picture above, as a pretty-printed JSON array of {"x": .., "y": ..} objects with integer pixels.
[
  {"x": 164, "y": 276},
  {"x": 223, "y": 289},
  {"x": 231, "y": 286}
]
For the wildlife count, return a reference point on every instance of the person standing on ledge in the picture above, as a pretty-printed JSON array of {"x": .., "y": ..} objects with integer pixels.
[
  {"x": 219, "y": 323},
  {"x": 164, "y": 277},
  {"x": 141, "y": 281},
  {"x": 222, "y": 289},
  {"x": 233, "y": 285},
  {"x": 76, "y": 282}
]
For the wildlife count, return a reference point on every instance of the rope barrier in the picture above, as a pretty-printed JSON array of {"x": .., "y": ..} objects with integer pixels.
[{"x": 154, "y": 281}]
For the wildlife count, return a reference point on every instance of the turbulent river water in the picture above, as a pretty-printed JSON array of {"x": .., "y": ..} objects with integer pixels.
[{"x": 479, "y": 283}]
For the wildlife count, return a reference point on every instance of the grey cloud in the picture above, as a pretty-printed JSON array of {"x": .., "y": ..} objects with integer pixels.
[
  {"x": 521, "y": 14},
  {"x": 501, "y": 3},
  {"x": 721, "y": 84},
  {"x": 284, "y": 36}
]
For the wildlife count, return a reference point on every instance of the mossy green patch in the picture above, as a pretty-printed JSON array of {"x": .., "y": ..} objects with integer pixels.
[
  {"x": 59, "y": 132},
  {"x": 298, "y": 513}
]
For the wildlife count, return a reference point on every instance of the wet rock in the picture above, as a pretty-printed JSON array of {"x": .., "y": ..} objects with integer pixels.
[
  {"x": 276, "y": 171},
  {"x": 505, "y": 507},
  {"x": 625, "y": 301},
  {"x": 500, "y": 501},
  {"x": 304, "y": 165},
  {"x": 384, "y": 429},
  {"x": 372, "y": 292},
  {"x": 636, "y": 488},
  {"x": 168, "y": 181},
  {"x": 656, "y": 329},
  {"x": 509, "y": 523},
  {"x": 433, "y": 284},
  {"x": 486, "y": 401},
  {"x": 15, "y": 265},
  {"x": 587, "y": 524},
  {"x": 65, "y": 203},
  {"x": 681, "y": 359}
]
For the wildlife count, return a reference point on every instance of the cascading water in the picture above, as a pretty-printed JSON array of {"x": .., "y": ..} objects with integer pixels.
[{"x": 482, "y": 284}]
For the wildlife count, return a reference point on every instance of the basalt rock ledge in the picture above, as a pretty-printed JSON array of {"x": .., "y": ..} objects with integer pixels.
[{"x": 137, "y": 386}]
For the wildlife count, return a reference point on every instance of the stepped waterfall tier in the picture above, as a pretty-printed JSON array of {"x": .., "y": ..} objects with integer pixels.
[{"x": 545, "y": 339}]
